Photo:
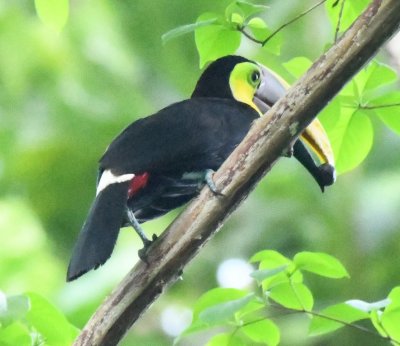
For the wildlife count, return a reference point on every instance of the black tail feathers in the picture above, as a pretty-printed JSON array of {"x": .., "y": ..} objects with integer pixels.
[{"x": 100, "y": 231}]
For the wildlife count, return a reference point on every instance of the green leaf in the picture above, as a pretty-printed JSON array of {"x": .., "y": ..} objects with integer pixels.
[
  {"x": 258, "y": 28},
  {"x": 374, "y": 76},
  {"x": 340, "y": 312},
  {"x": 261, "y": 275},
  {"x": 387, "y": 107},
  {"x": 375, "y": 316},
  {"x": 271, "y": 256},
  {"x": 244, "y": 8},
  {"x": 390, "y": 318},
  {"x": 53, "y": 13},
  {"x": 237, "y": 19},
  {"x": 295, "y": 296},
  {"x": 225, "y": 311},
  {"x": 320, "y": 264},
  {"x": 50, "y": 322},
  {"x": 13, "y": 308},
  {"x": 215, "y": 40},
  {"x": 225, "y": 339},
  {"x": 351, "y": 10},
  {"x": 15, "y": 334},
  {"x": 298, "y": 66},
  {"x": 351, "y": 138},
  {"x": 216, "y": 296},
  {"x": 260, "y": 31},
  {"x": 185, "y": 29},
  {"x": 209, "y": 299},
  {"x": 394, "y": 299},
  {"x": 263, "y": 331}
]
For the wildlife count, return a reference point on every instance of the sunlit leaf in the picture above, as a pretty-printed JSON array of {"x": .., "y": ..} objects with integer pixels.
[
  {"x": 53, "y": 12},
  {"x": 225, "y": 339},
  {"x": 261, "y": 275},
  {"x": 374, "y": 76},
  {"x": 185, "y": 29},
  {"x": 294, "y": 296},
  {"x": 50, "y": 322},
  {"x": 390, "y": 318},
  {"x": 340, "y": 312},
  {"x": 351, "y": 138},
  {"x": 216, "y": 296},
  {"x": 215, "y": 40},
  {"x": 263, "y": 331},
  {"x": 244, "y": 8},
  {"x": 224, "y": 311},
  {"x": 321, "y": 264},
  {"x": 375, "y": 317},
  {"x": 351, "y": 10},
  {"x": 16, "y": 334},
  {"x": 271, "y": 256},
  {"x": 387, "y": 107}
]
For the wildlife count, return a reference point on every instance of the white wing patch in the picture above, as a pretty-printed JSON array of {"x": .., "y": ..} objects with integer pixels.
[{"x": 108, "y": 178}]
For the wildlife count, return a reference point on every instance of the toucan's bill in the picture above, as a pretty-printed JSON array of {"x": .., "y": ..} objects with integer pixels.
[{"x": 314, "y": 137}]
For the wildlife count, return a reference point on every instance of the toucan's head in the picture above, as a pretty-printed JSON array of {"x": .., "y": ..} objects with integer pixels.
[{"x": 249, "y": 82}]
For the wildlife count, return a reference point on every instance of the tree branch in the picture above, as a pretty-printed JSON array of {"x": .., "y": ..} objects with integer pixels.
[{"x": 261, "y": 148}]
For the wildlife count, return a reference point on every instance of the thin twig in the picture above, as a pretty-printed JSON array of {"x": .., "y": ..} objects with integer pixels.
[
  {"x": 251, "y": 38},
  {"x": 292, "y": 20},
  {"x": 339, "y": 20},
  {"x": 380, "y": 106}
]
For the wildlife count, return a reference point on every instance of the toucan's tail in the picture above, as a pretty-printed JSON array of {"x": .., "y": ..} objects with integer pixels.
[{"x": 100, "y": 231}]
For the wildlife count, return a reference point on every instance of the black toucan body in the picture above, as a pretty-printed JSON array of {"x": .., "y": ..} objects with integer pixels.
[{"x": 160, "y": 162}]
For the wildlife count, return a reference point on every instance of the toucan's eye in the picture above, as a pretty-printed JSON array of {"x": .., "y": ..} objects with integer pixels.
[{"x": 255, "y": 77}]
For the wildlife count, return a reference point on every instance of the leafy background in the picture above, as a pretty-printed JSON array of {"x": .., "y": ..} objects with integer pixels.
[{"x": 66, "y": 93}]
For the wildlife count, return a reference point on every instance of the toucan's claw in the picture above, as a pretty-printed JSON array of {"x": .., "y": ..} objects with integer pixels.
[
  {"x": 210, "y": 182},
  {"x": 288, "y": 152}
]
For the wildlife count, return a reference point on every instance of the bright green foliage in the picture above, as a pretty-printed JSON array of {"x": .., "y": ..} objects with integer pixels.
[
  {"x": 387, "y": 108},
  {"x": 53, "y": 13},
  {"x": 225, "y": 311},
  {"x": 226, "y": 339},
  {"x": 215, "y": 40},
  {"x": 320, "y": 264},
  {"x": 350, "y": 130},
  {"x": 347, "y": 118},
  {"x": 351, "y": 11},
  {"x": 185, "y": 29},
  {"x": 49, "y": 322},
  {"x": 334, "y": 317},
  {"x": 30, "y": 319},
  {"x": 295, "y": 296},
  {"x": 265, "y": 332},
  {"x": 390, "y": 318},
  {"x": 248, "y": 316}
]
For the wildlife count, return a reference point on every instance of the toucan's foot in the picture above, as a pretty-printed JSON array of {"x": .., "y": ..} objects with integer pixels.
[
  {"x": 142, "y": 253},
  {"x": 210, "y": 182},
  {"x": 288, "y": 152}
]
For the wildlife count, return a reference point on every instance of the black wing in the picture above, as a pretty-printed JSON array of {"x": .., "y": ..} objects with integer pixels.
[{"x": 187, "y": 136}]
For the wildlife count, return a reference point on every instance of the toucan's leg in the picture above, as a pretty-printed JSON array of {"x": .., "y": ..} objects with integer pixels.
[
  {"x": 210, "y": 182},
  {"x": 138, "y": 229}
]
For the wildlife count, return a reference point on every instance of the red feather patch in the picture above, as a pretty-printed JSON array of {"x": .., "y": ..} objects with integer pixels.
[{"x": 138, "y": 182}]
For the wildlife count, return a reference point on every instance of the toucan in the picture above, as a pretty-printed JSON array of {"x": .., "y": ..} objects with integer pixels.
[{"x": 160, "y": 162}]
